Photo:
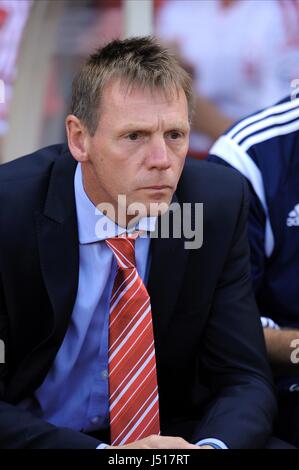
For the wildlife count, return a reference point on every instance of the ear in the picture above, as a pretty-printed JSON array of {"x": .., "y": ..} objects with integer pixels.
[{"x": 77, "y": 138}]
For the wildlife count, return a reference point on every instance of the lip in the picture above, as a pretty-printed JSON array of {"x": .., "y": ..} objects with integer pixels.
[{"x": 158, "y": 187}]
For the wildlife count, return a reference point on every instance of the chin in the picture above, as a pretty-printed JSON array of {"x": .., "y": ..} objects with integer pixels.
[
  {"x": 157, "y": 207},
  {"x": 149, "y": 207}
]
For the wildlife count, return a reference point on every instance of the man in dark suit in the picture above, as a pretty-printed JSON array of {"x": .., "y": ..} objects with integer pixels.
[{"x": 67, "y": 277}]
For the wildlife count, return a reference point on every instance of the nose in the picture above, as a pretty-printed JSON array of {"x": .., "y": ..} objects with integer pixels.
[{"x": 158, "y": 154}]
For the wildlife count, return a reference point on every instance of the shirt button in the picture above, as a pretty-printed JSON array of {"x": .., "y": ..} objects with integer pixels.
[
  {"x": 105, "y": 374},
  {"x": 95, "y": 420}
]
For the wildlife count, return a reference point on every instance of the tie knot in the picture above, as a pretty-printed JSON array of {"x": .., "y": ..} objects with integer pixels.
[{"x": 123, "y": 248}]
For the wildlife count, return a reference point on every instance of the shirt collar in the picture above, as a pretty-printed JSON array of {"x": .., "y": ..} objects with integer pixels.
[{"x": 93, "y": 225}]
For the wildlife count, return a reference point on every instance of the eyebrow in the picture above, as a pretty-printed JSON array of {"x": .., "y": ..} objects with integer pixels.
[{"x": 140, "y": 126}]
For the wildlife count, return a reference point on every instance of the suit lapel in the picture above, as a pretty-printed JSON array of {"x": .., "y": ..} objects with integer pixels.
[
  {"x": 57, "y": 235},
  {"x": 168, "y": 262}
]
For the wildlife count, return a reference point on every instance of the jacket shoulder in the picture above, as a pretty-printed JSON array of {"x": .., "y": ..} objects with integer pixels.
[
  {"x": 204, "y": 180},
  {"x": 33, "y": 165}
]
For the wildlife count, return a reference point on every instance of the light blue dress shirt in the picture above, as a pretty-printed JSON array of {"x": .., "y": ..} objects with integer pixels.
[{"x": 75, "y": 391}]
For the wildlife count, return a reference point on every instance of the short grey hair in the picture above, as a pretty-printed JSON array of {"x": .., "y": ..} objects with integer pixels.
[{"x": 140, "y": 61}]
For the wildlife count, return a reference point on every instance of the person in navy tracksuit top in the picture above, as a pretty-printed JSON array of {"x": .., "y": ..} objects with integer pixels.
[{"x": 264, "y": 147}]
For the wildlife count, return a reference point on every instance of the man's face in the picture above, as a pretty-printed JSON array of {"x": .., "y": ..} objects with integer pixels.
[{"x": 139, "y": 147}]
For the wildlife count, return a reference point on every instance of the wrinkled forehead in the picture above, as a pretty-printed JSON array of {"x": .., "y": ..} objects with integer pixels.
[{"x": 121, "y": 94}]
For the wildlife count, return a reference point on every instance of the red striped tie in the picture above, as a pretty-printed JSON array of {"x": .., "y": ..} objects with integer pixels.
[{"x": 134, "y": 405}]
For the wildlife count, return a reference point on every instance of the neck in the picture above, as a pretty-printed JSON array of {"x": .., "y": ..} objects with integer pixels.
[{"x": 102, "y": 201}]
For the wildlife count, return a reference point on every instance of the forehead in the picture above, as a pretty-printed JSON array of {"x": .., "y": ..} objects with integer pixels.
[{"x": 121, "y": 100}]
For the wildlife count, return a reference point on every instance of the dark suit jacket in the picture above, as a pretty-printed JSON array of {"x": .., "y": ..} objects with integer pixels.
[{"x": 213, "y": 376}]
